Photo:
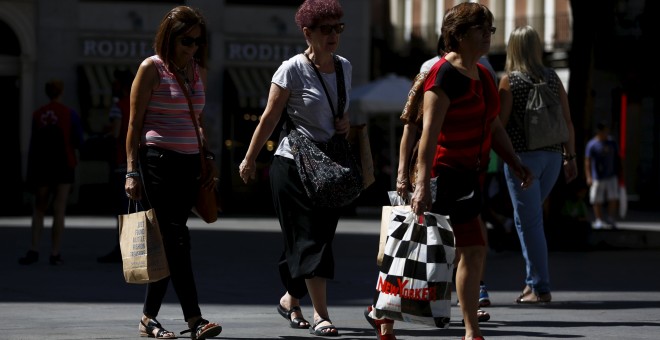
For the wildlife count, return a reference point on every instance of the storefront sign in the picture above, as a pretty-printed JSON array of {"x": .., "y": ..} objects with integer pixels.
[
  {"x": 261, "y": 51},
  {"x": 116, "y": 48}
]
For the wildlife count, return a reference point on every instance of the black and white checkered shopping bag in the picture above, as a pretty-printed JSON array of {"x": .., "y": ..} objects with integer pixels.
[{"x": 414, "y": 283}]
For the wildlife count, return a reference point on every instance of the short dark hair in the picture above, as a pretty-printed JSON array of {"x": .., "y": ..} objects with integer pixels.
[
  {"x": 311, "y": 12},
  {"x": 54, "y": 88},
  {"x": 460, "y": 18},
  {"x": 176, "y": 22},
  {"x": 601, "y": 126}
]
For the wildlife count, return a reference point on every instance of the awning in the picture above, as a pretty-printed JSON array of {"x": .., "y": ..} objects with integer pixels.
[
  {"x": 99, "y": 78},
  {"x": 252, "y": 85}
]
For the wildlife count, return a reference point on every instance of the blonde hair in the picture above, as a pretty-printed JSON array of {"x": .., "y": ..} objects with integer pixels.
[{"x": 524, "y": 52}]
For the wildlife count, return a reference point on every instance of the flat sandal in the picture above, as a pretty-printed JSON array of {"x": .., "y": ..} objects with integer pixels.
[
  {"x": 531, "y": 298},
  {"x": 147, "y": 330}
]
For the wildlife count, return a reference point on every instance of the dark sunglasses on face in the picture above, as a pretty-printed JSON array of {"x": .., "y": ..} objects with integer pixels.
[
  {"x": 188, "y": 41},
  {"x": 486, "y": 29},
  {"x": 327, "y": 29}
]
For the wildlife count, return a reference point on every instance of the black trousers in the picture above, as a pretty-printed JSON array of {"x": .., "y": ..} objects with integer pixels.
[{"x": 171, "y": 184}]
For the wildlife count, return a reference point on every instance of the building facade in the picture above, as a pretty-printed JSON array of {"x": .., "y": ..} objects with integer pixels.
[{"x": 83, "y": 42}]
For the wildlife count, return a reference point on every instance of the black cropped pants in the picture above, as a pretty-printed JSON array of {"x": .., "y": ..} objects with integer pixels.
[{"x": 171, "y": 184}]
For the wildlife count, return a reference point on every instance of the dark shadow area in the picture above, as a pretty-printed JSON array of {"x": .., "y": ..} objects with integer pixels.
[
  {"x": 235, "y": 267},
  {"x": 231, "y": 268}
]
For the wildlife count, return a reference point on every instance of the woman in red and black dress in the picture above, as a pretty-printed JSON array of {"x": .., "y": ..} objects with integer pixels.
[{"x": 460, "y": 126}]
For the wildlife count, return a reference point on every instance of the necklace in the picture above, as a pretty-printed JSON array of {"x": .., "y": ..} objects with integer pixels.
[
  {"x": 183, "y": 72},
  {"x": 181, "y": 69}
]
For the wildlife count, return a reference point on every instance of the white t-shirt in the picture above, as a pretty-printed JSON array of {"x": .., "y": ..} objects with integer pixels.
[{"x": 308, "y": 104}]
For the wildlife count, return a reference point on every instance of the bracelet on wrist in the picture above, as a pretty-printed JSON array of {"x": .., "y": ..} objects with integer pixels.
[
  {"x": 132, "y": 174},
  {"x": 209, "y": 155},
  {"x": 569, "y": 156}
]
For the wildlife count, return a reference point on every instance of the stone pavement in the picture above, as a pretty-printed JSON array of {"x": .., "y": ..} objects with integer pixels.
[{"x": 609, "y": 291}]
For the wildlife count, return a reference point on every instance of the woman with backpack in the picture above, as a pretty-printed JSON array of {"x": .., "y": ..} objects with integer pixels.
[{"x": 524, "y": 60}]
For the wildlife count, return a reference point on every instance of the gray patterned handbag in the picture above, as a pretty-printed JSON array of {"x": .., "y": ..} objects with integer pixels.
[{"x": 329, "y": 171}]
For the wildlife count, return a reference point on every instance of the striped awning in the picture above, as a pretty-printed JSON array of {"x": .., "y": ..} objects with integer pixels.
[
  {"x": 99, "y": 78},
  {"x": 252, "y": 85}
]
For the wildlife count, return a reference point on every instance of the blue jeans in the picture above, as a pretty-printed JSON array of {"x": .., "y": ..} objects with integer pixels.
[{"x": 528, "y": 213}]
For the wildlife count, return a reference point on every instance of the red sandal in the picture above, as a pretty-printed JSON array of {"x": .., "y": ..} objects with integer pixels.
[{"x": 376, "y": 323}]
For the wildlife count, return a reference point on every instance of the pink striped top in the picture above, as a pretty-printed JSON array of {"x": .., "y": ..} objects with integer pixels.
[{"x": 167, "y": 122}]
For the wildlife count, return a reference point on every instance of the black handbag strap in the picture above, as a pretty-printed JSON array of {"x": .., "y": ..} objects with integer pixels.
[
  {"x": 341, "y": 91},
  {"x": 184, "y": 89},
  {"x": 200, "y": 143},
  {"x": 341, "y": 86}
]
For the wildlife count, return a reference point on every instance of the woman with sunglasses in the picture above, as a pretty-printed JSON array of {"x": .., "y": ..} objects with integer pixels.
[
  {"x": 163, "y": 160},
  {"x": 460, "y": 125},
  {"x": 298, "y": 92}
]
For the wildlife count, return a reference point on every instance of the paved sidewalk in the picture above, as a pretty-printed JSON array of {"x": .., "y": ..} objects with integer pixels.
[{"x": 599, "y": 294}]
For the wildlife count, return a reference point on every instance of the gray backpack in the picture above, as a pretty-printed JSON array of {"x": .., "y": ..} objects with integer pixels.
[{"x": 544, "y": 122}]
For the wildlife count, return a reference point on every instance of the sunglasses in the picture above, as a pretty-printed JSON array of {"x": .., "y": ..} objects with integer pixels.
[
  {"x": 486, "y": 29},
  {"x": 188, "y": 41},
  {"x": 327, "y": 29}
]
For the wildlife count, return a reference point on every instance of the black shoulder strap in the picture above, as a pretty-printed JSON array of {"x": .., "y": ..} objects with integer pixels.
[
  {"x": 341, "y": 91},
  {"x": 341, "y": 87}
]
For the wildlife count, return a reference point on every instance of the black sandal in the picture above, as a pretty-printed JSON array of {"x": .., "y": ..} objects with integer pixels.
[
  {"x": 299, "y": 322},
  {"x": 153, "y": 325},
  {"x": 203, "y": 329},
  {"x": 323, "y": 330}
]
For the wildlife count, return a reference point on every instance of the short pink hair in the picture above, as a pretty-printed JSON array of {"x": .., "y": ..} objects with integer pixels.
[{"x": 311, "y": 12}]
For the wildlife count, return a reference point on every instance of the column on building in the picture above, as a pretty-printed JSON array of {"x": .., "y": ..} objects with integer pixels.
[
  {"x": 397, "y": 19},
  {"x": 549, "y": 15},
  {"x": 497, "y": 7},
  {"x": 427, "y": 14},
  {"x": 510, "y": 21},
  {"x": 535, "y": 16}
]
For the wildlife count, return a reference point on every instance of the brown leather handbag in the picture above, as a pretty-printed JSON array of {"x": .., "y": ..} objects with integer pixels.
[{"x": 206, "y": 205}]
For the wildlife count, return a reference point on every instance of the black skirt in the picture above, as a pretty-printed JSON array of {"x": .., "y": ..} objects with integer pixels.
[{"x": 308, "y": 230}]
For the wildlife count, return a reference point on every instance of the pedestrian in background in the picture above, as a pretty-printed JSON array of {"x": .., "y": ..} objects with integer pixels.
[
  {"x": 307, "y": 261},
  {"x": 52, "y": 159},
  {"x": 525, "y": 54},
  {"x": 163, "y": 161},
  {"x": 602, "y": 167}
]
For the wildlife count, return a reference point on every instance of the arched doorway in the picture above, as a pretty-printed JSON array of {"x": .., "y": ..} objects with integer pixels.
[{"x": 11, "y": 201}]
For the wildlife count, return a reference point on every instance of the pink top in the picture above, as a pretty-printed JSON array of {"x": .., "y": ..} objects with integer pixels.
[{"x": 167, "y": 122}]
